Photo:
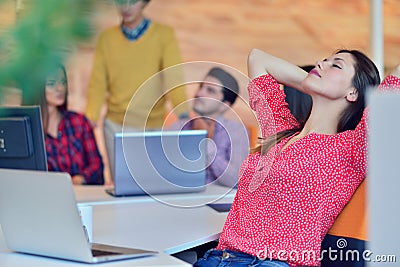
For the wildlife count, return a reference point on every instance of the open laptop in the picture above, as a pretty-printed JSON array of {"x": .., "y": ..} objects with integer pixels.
[
  {"x": 383, "y": 180},
  {"x": 159, "y": 162},
  {"x": 39, "y": 215}
]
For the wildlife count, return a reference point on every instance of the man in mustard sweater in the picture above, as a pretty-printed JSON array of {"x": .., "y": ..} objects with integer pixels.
[{"x": 126, "y": 56}]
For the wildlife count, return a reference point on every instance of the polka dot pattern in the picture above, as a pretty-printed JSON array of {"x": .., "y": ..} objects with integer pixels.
[{"x": 303, "y": 189}]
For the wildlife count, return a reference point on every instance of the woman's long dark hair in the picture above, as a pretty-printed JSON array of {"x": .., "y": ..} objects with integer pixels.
[
  {"x": 64, "y": 106},
  {"x": 366, "y": 75},
  {"x": 43, "y": 104}
]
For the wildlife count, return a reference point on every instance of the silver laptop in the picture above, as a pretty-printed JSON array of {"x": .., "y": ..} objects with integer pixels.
[
  {"x": 384, "y": 179},
  {"x": 39, "y": 215},
  {"x": 159, "y": 162}
]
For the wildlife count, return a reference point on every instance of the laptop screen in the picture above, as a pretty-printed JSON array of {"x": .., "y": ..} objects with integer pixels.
[{"x": 160, "y": 162}]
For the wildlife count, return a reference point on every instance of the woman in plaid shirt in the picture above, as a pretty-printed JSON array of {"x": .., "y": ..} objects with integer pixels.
[{"x": 70, "y": 143}]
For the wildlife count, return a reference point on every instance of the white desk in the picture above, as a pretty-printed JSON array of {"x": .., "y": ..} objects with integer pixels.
[
  {"x": 169, "y": 223},
  {"x": 143, "y": 222},
  {"x": 11, "y": 259},
  {"x": 21, "y": 260},
  {"x": 156, "y": 226},
  {"x": 96, "y": 195}
]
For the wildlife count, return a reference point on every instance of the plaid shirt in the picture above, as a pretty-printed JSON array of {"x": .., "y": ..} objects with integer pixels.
[{"x": 75, "y": 150}]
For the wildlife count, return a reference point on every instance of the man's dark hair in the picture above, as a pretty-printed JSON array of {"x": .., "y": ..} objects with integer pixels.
[{"x": 229, "y": 84}]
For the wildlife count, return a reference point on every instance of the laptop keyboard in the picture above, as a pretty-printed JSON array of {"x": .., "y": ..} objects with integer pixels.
[{"x": 97, "y": 253}]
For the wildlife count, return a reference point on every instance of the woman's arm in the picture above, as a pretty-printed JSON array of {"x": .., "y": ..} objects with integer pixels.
[
  {"x": 93, "y": 171},
  {"x": 391, "y": 82},
  {"x": 260, "y": 63},
  {"x": 396, "y": 71}
]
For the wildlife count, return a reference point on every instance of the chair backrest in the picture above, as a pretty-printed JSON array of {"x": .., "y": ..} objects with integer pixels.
[{"x": 254, "y": 133}]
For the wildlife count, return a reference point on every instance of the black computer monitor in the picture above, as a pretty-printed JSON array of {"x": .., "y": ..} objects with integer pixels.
[{"x": 22, "y": 138}]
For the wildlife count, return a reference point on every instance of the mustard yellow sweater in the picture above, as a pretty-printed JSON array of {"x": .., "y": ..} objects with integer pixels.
[{"x": 121, "y": 72}]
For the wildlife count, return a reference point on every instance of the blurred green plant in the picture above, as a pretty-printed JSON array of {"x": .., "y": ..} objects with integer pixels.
[{"x": 44, "y": 34}]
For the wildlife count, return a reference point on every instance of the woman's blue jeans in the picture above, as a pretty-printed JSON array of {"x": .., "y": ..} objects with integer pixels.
[{"x": 222, "y": 258}]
